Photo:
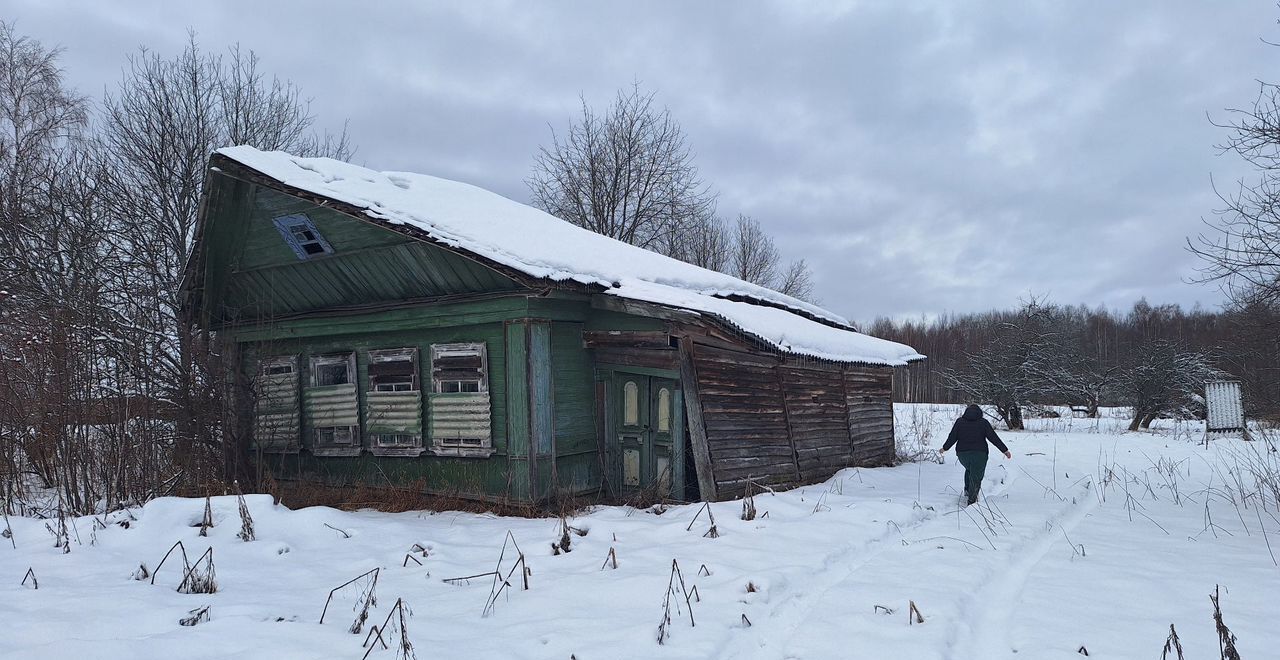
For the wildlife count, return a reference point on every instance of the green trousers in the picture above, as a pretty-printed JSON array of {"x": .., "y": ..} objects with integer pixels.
[{"x": 975, "y": 466}]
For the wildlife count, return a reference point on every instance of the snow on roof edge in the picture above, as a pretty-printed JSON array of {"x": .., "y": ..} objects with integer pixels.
[{"x": 537, "y": 244}]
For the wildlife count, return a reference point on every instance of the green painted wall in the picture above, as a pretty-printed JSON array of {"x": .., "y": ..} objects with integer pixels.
[
  {"x": 541, "y": 378},
  {"x": 577, "y": 463},
  {"x": 471, "y": 476},
  {"x": 252, "y": 273}
]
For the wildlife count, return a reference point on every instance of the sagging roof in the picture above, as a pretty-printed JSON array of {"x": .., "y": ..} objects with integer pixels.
[{"x": 501, "y": 231}]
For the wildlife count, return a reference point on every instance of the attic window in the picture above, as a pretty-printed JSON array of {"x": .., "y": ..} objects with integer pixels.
[{"x": 302, "y": 236}]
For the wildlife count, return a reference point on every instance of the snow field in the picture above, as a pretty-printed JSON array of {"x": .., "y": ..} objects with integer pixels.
[{"x": 998, "y": 580}]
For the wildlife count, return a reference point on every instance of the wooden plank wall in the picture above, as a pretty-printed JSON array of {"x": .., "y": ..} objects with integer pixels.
[
  {"x": 744, "y": 414},
  {"x": 782, "y": 424},
  {"x": 869, "y": 401}
]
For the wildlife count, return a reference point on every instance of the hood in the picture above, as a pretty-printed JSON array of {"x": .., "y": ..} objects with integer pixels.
[{"x": 973, "y": 413}]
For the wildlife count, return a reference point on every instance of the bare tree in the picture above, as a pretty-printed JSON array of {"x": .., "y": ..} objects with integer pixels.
[
  {"x": 58, "y": 328},
  {"x": 754, "y": 257},
  {"x": 797, "y": 281},
  {"x": 1006, "y": 372},
  {"x": 702, "y": 241},
  {"x": 1162, "y": 377},
  {"x": 1242, "y": 247},
  {"x": 627, "y": 174},
  {"x": 157, "y": 131}
]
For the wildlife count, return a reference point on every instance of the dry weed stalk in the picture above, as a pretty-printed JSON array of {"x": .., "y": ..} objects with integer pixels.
[
  {"x": 710, "y": 533},
  {"x": 749, "y": 504},
  {"x": 194, "y": 617},
  {"x": 502, "y": 583},
  {"x": 367, "y": 598},
  {"x": 207, "y": 521},
  {"x": 200, "y": 580},
  {"x": 246, "y": 521},
  {"x": 1226, "y": 639},
  {"x": 1172, "y": 645},
  {"x": 186, "y": 563},
  {"x": 404, "y": 648},
  {"x": 913, "y": 614},
  {"x": 344, "y": 533},
  {"x": 664, "y": 626},
  {"x": 8, "y": 531},
  {"x": 35, "y": 584},
  {"x": 610, "y": 560},
  {"x": 565, "y": 544}
]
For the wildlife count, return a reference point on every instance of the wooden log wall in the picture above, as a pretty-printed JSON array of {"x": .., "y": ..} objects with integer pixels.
[{"x": 782, "y": 424}]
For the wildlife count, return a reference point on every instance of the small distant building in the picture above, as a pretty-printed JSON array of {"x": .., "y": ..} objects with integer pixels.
[
  {"x": 401, "y": 329},
  {"x": 1224, "y": 408}
]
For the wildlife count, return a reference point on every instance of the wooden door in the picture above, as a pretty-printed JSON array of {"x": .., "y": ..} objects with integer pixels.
[{"x": 648, "y": 434}]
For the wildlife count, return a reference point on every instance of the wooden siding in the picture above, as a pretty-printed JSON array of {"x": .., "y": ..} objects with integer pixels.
[
  {"x": 573, "y": 396},
  {"x": 261, "y": 277},
  {"x": 780, "y": 424},
  {"x": 744, "y": 414},
  {"x": 476, "y": 477},
  {"x": 868, "y": 399},
  {"x": 819, "y": 422}
]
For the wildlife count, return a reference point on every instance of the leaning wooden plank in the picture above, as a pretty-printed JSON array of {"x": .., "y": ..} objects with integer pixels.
[{"x": 697, "y": 431}]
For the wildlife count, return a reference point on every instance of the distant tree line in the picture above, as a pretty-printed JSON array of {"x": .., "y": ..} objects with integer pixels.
[{"x": 1151, "y": 358}]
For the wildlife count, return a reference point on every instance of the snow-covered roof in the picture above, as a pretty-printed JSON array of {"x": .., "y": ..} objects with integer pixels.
[{"x": 518, "y": 236}]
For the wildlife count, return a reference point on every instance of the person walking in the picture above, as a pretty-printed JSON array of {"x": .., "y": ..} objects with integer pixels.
[{"x": 970, "y": 435}]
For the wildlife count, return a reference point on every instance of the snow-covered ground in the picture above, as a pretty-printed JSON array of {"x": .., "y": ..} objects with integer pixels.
[{"x": 1090, "y": 537}]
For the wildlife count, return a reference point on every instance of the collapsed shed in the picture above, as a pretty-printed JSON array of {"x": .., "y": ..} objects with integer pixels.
[{"x": 402, "y": 329}]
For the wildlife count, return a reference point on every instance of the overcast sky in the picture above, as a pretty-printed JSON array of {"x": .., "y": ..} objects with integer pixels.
[{"x": 924, "y": 157}]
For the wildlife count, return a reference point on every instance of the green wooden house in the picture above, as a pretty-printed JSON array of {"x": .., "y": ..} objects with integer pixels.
[{"x": 400, "y": 329}]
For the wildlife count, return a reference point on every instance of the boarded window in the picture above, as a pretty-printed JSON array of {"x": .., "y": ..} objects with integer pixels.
[
  {"x": 330, "y": 406},
  {"x": 393, "y": 404},
  {"x": 631, "y": 404},
  {"x": 302, "y": 236},
  {"x": 277, "y": 419},
  {"x": 459, "y": 401},
  {"x": 664, "y": 410}
]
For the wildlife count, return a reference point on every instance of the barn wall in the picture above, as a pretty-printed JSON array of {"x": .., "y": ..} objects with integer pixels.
[{"x": 782, "y": 424}]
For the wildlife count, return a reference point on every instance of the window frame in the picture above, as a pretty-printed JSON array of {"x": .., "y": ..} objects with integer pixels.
[
  {"x": 319, "y": 447},
  {"x": 274, "y": 366},
  {"x": 407, "y": 444},
  {"x": 456, "y": 347},
  {"x": 383, "y": 355},
  {"x": 289, "y": 225},
  {"x": 460, "y": 447},
  {"x": 327, "y": 359}
]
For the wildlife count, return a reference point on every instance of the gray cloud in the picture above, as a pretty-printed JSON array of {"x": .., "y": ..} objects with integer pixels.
[{"x": 947, "y": 157}]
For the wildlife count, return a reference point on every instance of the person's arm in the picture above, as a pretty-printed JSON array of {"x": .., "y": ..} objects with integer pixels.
[
  {"x": 994, "y": 439},
  {"x": 951, "y": 438}
]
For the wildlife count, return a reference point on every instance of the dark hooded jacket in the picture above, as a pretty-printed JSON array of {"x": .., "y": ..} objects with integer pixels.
[{"x": 971, "y": 433}]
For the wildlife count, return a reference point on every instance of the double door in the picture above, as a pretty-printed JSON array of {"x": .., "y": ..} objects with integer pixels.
[{"x": 648, "y": 428}]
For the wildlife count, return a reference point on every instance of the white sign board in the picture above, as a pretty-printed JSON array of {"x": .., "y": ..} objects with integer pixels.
[{"x": 1224, "y": 406}]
